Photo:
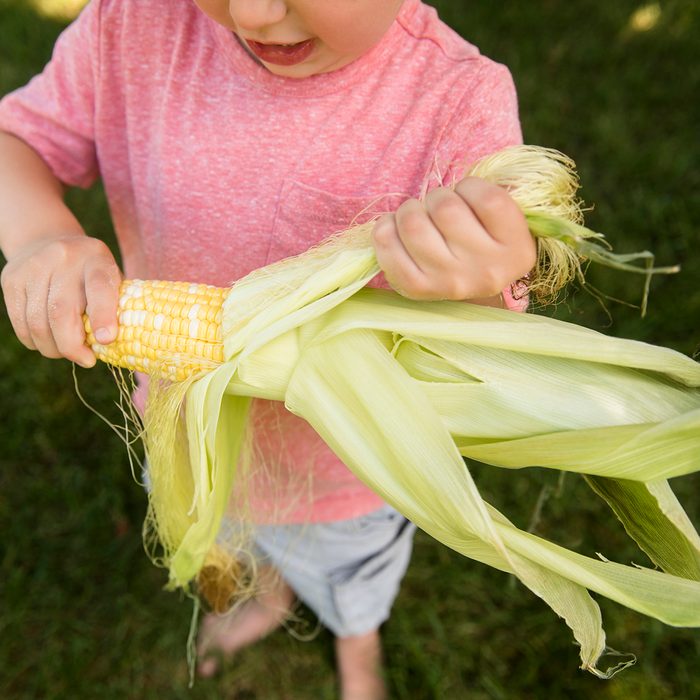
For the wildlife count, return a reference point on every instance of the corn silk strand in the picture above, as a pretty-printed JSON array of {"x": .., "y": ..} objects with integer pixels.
[{"x": 403, "y": 391}]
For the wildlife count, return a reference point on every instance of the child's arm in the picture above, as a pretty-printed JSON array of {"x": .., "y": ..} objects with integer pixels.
[
  {"x": 54, "y": 272},
  {"x": 466, "y": 243}
]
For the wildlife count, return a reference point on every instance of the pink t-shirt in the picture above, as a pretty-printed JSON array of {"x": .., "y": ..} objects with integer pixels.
[{"x": 214, "y": 166}]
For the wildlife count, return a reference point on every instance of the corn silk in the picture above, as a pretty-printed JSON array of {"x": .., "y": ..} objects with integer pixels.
[{"x": 404, "y": 391}]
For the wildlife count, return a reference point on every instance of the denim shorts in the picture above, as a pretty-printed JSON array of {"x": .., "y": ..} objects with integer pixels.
[{"x": 347, "y": 572}]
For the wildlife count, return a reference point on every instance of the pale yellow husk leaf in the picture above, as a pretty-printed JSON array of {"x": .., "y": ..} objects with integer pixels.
[{"x": 403, "y": 390}]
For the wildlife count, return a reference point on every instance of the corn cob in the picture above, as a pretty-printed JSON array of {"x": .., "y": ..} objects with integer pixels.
[
  {"x": 506, "y": 389},
  {"x": 170, "y": 330}
]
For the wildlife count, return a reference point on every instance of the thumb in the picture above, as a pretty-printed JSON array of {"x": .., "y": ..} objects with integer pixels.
[{"x": 102, "y": 280}]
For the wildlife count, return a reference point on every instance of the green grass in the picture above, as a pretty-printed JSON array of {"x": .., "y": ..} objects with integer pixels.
[{"x": 82, "y": 611}]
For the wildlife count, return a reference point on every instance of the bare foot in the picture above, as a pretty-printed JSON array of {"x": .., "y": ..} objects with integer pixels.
[
  {"x": 224, "y": 635},
  {"x": 359, "y": 661}
]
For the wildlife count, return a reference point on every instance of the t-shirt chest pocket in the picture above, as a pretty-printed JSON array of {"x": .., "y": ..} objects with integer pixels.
[{"x": 306, "y": 215}]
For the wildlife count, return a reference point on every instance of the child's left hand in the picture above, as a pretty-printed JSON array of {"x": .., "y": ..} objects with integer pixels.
[{"x": 466, "y": 243}]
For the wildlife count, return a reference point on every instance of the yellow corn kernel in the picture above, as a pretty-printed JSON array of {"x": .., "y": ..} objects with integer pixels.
[{"x": 170, "y": 330}]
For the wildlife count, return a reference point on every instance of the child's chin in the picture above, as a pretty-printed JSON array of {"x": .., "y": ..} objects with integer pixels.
[
  {"x": 301, "y": 70},
  {"x": 314, "y": 66}
]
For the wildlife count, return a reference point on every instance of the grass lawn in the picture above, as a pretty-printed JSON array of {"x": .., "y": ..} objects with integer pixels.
[{"x": 82, "y": 611}]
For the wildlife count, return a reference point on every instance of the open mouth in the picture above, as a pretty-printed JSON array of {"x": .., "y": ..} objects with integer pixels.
[{"x": 282, "y": 54}]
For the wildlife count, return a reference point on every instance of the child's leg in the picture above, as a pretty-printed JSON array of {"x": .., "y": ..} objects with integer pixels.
[
  {"x": 359, "y": 662},
  {"x": 348, "y": 573},
  {"x": 255, "y": 619}
]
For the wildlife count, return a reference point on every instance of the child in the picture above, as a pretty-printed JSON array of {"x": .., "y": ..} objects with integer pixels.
[{"x": 230, "y": 134}]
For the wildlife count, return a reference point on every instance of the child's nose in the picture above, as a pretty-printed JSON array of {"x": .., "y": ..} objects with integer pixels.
[{"x": 256, "y": 14}]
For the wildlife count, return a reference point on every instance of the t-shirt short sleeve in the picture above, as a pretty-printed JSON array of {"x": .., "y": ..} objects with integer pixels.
[
  {"x": 55, "y": 112},
  {"x": 485, "y": 120}
]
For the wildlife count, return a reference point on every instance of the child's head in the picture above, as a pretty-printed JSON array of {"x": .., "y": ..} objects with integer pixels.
[{"x": 299, "y": 38}]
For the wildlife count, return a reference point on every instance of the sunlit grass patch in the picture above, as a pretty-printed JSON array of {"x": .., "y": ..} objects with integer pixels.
[
  {"x": 58, "y": 9},
  {"x": 645, "y": 18}
]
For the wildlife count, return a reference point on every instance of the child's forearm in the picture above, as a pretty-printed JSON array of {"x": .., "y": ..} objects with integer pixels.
[
  {"x": 54, "y": 272},
  {"x": 31, "y": 199}
]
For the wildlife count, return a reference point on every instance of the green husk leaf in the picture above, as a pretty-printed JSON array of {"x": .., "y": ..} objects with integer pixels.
[
  {"x": 590, "y": 246},
  {"x": 216, "y": 427},
  {"x": 656, "y": 521},
  {"x": 421, "y": 475}
]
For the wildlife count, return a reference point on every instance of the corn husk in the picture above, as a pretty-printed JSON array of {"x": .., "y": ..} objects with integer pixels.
[{"x": 403, "y": 391}]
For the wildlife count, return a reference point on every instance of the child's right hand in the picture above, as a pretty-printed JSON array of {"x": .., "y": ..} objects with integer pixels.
[{"x": 48, "y": 284}]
